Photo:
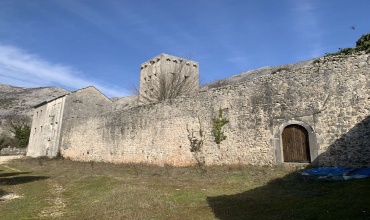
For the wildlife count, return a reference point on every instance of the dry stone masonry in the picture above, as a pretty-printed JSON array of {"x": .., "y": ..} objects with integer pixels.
[{"x": 329, "y": 100}]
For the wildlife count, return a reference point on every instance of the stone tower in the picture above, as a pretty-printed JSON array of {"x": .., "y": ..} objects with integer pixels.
[{"x": 168, "y": 69}]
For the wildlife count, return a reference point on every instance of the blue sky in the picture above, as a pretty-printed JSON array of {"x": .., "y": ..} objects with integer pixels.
[{"x": 76, "y": 43}]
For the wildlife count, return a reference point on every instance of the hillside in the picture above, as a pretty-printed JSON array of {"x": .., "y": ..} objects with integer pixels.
[
  {"x": 19, "y": 101},
  {"x": 251, "y": 74}
]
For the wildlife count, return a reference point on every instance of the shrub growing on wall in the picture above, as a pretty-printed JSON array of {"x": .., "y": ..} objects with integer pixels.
[{"x": 218, "y": 123}]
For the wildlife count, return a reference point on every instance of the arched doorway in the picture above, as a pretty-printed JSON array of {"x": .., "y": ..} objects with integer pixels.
[{"x": 296, "y": 144}]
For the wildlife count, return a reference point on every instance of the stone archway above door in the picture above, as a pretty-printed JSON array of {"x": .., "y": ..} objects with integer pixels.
[{"x": 277, "y": 141}]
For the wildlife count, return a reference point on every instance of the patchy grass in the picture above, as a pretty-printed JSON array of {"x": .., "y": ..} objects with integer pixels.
[{"x": 63, "y": 189}]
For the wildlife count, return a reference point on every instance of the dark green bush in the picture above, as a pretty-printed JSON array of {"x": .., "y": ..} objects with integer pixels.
[{"x": 362, "y": 44}]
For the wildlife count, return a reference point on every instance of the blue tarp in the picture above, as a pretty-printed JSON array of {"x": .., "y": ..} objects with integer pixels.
[{"x": 338, "y": 172}]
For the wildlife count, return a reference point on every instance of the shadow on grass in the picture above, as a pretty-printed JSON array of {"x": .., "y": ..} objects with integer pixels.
[
  {"x": 297, "y": 197},
  {"x": 2, "y": 193},
  {"x": 13, "y": 174},
  {"x": 13, "y": 178},
  {"x": 20, "y": 180}
]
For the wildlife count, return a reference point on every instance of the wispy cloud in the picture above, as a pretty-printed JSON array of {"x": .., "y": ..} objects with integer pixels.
[
  {"x": 90, "y": 15},
  {"x": 20, "y": 68},
  {"x": 308, "y": 25}
]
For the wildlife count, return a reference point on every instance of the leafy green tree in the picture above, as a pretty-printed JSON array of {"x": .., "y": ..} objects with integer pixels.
[
  {"x": 363, "y": 44},
  {"x": 20, "y": 127}
]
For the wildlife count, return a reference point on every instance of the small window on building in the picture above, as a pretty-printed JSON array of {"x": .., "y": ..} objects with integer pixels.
[
  {"x": 194, "y": 65},
  {"x": 40, "y": 113},
  {"x": 175, "y": 61},
  {"x": 168, "y": 59},
  {"x": 187, "y": 63},
  {"x": 155, "y": 74},
  {"x": 41, "y": 129},
  {"x": 37, "y": 114}
]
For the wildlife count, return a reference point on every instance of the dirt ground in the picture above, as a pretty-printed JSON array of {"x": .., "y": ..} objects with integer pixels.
[
  {"x": 5, "y": 159},
  {"x": 9, "y": 196}
]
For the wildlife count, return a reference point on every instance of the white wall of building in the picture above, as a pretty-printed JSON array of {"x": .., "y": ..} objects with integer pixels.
[{"x": 46, "y": 128}]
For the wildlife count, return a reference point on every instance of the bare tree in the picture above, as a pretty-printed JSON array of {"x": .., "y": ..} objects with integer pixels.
[
  {"x": 173, "y": 78},
  {"x": 196, "y": 139}
]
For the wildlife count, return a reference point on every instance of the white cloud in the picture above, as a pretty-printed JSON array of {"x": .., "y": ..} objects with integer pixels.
[{"x": 20, "y": 68}]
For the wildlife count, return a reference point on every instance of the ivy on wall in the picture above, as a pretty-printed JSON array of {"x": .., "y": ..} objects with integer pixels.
[{"x": 218, "y": 123}]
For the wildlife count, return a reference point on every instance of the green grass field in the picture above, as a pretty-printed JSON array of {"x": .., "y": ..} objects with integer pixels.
[{"x": 63, "y": 189}]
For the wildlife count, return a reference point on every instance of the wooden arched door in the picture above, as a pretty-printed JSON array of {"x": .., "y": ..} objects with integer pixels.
[{"x": 295, "y": 144}]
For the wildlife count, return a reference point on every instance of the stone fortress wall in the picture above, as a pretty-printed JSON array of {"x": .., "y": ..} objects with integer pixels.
[{"x": 330, "y": 99}]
